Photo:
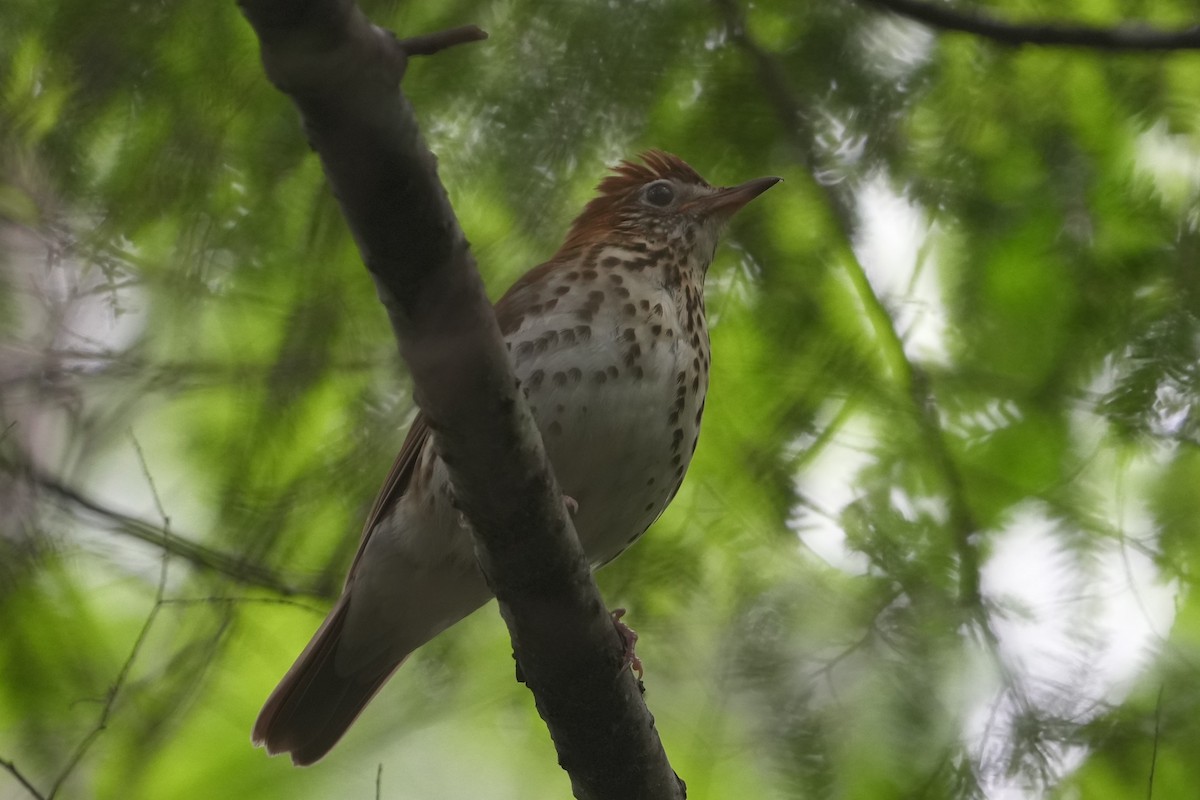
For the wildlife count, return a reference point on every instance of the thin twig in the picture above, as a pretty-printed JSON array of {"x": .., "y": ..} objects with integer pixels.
[
  {"x": 16, "y": 773},
  {"x": 1130, "y": 37},
  {"x": 194, "y": 553},
  {"x": 428, "y": 44},
  {"x": 122, "y": 676},
  {"x": 1154, "y": 752}
]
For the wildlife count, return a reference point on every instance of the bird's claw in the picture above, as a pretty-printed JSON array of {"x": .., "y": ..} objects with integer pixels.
[
  {"x": 629, "y": 639},
  {"x": 570, "y": 504}
]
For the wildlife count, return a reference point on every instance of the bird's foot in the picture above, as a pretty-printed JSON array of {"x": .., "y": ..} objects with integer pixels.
[
  {"x": 571, "y": 506},
  {"x": 629, "y": 639}
]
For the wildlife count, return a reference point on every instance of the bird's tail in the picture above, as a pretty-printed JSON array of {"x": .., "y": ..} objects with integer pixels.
[{"x": 314, "y": 704}]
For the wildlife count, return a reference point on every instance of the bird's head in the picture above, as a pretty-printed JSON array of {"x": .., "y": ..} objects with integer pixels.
[{"x": 663, "y": 202}]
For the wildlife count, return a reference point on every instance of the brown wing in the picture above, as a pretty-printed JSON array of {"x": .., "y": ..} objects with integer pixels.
[
  {"x": 314, "y": 704},
  {"x": 510, "y": 309},
  {"x": 395, "y": 485}
]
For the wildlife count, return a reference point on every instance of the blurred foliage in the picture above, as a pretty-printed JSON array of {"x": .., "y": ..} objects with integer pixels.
[{"x": 940, "y": 536}]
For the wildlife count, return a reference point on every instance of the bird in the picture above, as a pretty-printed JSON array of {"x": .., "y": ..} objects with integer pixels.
[{"x": 610, "y": 344}]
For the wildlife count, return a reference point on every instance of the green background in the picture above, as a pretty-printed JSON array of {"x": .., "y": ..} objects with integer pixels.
[{"x": 940, "y": 536}]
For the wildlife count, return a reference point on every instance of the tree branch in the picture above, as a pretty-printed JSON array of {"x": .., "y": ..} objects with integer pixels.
[
  {"x": 110, "y": 698},
  {"x": 794, "y": 118},
  {"x": 1127, "y": 37},
  {"x": 431, "y": 43},
  {"x": 197, "y": 555},
  {"x": 12, "y": 769},
  {"x": 911, "y": 378},
  {"x": 343, "y": 74}
]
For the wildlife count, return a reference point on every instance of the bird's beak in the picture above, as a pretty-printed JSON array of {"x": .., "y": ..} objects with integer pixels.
[{"x": 724, "y": 203}]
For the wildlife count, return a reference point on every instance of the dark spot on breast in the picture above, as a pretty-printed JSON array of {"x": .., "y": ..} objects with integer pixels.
[
  {"x": 561, "y": 290},
  {"x": 650, "y": 481},
  {"x": 638, "y": 247},
  {"x": 681, "y": 377},
  {"x": 655, "y": 330},
  {"x": 575, "y": 374},
  {"x": 508, "y": 346},
  {"x": 695, "y": 441},
  {"x": 584, "y": 314},
  {"x": 588, "y": 275},
  {"x": 696, "y": 383},
  {"x": 559, "y": 407},
  {"x": 555, "y": 428},
  {"x": 632, "y": 354},
  {"x": 615, "y": 277},
  {"x": 629, "y": 310},
  {"x": 595, "y": 298},
  {"x": 567, "y": 335},
  {"x": 645, "y": 304},
  {"x": 621, "y": 292},
  {"x": 612, "y": 372},
  {"x": 638, "y": 373},
  {"x": 550, "y": 304},
  {"x": 658, "y": 309},
  {"x": 673, "y": 417},
  {"x": 649, "y": 507},
  {"x": 584, "y": 332},
  {"x": 610, "y": 261},
  {"x": 676, "y": 438},
  {"x": 536, "y": 377},
  {"x": 560, "y": 379},
  {"x": 599, "y": 376},
  {"x": 675, "y": 459},
  {"x": 571, "y": 276},
  {"x": 629, "y": 335}
]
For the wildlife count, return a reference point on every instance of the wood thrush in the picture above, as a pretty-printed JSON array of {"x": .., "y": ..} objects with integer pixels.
[{"x": 609, "y": 341}]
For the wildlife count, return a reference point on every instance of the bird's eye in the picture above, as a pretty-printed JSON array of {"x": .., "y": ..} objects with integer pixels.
[{"x": 660, "y": 194}]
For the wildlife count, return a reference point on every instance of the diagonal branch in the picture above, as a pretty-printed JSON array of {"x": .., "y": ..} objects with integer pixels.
[
  {"x": 343, "y": 74},
  {"x": 795, "y": 120},
  {"x": 911, "y": 378},
  {"x": 198, "y": 555},
  {"x": 15, "y": 771},
  {"x": 1125, "y": 37},
  {"x": 118, "y": 685}
]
